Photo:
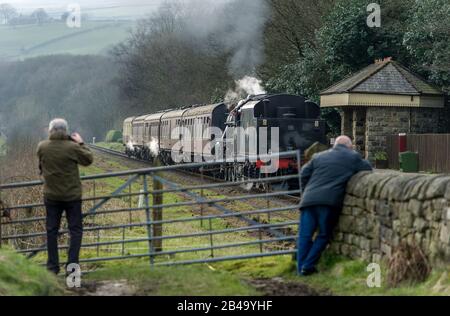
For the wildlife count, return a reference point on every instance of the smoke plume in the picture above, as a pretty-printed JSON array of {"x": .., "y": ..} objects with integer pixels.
[
  {"x": 244, "y": 87},
  {"x": 232, "y": 26}
]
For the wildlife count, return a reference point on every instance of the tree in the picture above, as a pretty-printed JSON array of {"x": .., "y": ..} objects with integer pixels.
[
  {"x": 78, "y": 88},
  {"x": 427, "y": 40},
  {"x": 342, "y": 45},
  {"x": 7, "y": 12},
  {"x": 65, "y": 16},
  {"x": 163, "y": 64},
  {"x": 348, "y": 41},
  {"x": 291, "y": 27},
  {"x": 40, "y": 15}
]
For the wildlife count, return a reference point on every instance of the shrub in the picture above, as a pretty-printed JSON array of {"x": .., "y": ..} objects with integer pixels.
[
  {"x": 381, "y": 155},
  {"x": 113, "y": 136}
]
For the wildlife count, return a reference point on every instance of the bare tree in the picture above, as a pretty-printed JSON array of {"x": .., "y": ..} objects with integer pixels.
[
  {"x": 292, "y": 26},
  {"x": 7, "y": 12},
  {"x": 163, "y": 65},
  {"x": 40, "y": 15}
]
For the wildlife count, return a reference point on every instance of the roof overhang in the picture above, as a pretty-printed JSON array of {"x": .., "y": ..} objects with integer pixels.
[{"x": 381, "y": 100}]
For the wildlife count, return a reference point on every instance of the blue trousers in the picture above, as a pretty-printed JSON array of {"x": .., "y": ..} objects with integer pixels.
[{"x": 311, "y": 218}]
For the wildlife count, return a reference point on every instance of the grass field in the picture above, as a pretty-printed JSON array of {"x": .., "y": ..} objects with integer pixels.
[{"x": 94, "y": 37}]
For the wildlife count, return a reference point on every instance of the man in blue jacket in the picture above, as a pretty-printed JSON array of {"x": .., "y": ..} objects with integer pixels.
[{"x": 324, "y": 180}]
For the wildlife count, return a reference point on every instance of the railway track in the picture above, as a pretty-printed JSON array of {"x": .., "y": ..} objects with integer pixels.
[
  {"x": 200, "y": 198},
  {"x": 288, "y": 197}
]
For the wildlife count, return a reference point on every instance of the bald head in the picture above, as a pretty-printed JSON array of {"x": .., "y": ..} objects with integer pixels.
[{"x": 344, "y": 140}]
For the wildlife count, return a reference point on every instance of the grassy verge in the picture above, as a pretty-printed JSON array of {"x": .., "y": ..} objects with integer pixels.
[
  {"x": 20, "y": 277},
  {"x": 177, "y": 280},
  {"x": 112, "y": 146},
  {"x": 338, "y": 275}
]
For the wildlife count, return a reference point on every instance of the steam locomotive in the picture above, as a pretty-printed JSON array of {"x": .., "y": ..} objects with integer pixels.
[{"x": 158, "y": 135}]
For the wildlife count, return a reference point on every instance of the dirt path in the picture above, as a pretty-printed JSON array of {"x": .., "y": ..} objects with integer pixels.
[
  {"x": 281, "y": 287},
  {"x": 267, "y": 287},
  {"x": 105, "y": 288}
]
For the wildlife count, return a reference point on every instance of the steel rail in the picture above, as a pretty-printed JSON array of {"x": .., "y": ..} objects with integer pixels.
[
  {"x": 181, "y": 220},
  {"x": 151, "y": 170},
  {"x": 173, "y": 190}
]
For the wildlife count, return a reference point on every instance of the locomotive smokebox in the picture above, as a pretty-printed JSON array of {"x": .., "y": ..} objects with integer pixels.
[{"x": 286, "y": 112}]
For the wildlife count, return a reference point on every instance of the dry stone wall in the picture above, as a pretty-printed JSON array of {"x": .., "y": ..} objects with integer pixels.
[{"x": 382, "y": 209}]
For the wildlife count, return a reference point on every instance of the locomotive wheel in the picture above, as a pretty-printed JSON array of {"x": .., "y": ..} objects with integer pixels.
[{"x": 233, "y": 175}]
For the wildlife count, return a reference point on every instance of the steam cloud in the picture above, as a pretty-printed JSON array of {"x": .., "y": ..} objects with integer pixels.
[
  {"x": 244, "y": 87},
  {"x": 234, "y": 26},
  {"x": 153, "y": 145}
]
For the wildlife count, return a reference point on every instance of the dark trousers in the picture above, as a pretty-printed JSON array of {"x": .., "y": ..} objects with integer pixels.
[
  {"x": 309, "y": 251},
  {"x": 75, "y": 224}
]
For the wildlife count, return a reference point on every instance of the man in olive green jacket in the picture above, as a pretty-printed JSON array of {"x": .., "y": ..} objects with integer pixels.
[{"x": 59, "y": 157}]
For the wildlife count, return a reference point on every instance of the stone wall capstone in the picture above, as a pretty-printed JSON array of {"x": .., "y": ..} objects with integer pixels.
[{"x": 382, "y": 209}]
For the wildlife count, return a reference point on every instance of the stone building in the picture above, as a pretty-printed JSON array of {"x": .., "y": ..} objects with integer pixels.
[{"x": 383, "y": 99}]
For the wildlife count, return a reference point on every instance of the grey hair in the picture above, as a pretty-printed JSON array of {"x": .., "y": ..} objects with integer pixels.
[{"x": 58, "y": 125}]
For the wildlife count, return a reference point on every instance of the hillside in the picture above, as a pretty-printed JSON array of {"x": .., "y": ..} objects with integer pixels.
[{"x": 94, "y": 37}]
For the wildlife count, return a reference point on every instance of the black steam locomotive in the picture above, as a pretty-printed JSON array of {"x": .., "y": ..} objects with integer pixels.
[{"x": 297, "y": 119}]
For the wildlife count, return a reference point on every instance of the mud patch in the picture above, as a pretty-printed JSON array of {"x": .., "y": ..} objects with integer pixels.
[
  {"x": 105, "y": 288},
  {"x": 281, "y": 287}
]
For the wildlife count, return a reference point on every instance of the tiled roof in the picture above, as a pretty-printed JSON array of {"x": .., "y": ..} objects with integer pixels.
[{"x": 387, "y": 77}]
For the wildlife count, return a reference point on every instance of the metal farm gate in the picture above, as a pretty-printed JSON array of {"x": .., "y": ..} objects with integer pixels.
[{"x": 143, "y": 214}]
